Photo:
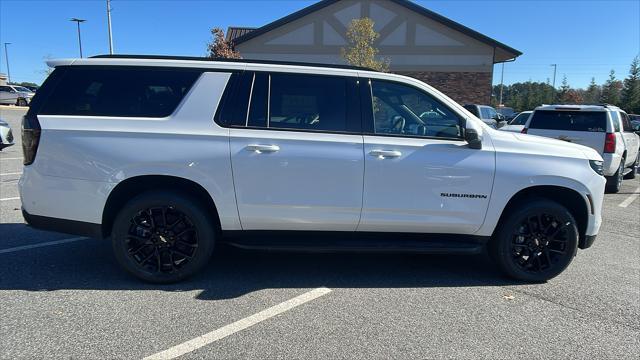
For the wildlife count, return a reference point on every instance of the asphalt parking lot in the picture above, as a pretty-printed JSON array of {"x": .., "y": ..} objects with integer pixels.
[{"x": 63, "y": 296}]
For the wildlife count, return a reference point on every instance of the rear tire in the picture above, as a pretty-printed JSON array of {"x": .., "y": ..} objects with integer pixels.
[
  {"x": 536, "y": 242},
  {"x": 21, "y": 102},
  {"x": 634, "y": 168},
  {"x": 163, "y": 237},
  {"x": 614, "y": 182}
]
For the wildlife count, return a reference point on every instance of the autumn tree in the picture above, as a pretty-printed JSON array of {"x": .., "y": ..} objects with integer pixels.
[
  {"x": 631, "y": 89},
  {"x": 360, "y": 50},
  {"x": 611, "y": 90},
  {"x": 219, "y": 47}
]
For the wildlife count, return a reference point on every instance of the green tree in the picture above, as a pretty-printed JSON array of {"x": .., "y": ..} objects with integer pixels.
[
  {"x": 631, "y": 89},
  {"x": 564, "y": 91},
  {"x": 592, "y": 94},
  {"x": 219, "y": 47},
  {"x": 611, "y": 90},
  {"x": 361, "y": 51}
]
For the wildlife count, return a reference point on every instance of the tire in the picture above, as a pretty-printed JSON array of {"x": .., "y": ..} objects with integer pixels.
[
  {"x": 634, "y": 168},
  {"x": 536, "y": 242},
  {"x": 614, "y": 182},
  {"x": 21, "y": 102},
  {"x": 163, "y": 237}
]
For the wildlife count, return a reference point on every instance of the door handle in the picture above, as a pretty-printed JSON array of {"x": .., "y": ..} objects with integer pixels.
[
  {"x": 263, "y": 148},
  {"x": 385, "y": 154}
]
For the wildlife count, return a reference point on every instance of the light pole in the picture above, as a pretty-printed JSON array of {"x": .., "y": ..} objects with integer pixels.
[
  {"x": 109, "y": 22},
  {"x": 501, "y": 85},
  {"x": 6, "y": 55},
  {"x": 78, "y": 21}
]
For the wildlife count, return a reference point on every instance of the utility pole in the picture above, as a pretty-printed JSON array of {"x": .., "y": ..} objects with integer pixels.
[
  {"x": 109, "y": 22},
  {"x": 78, "y": 21},
  {"x": 501, "y": 85},
  {"x": 553, "y": 93},
  {"x": 6, "y": 55}
]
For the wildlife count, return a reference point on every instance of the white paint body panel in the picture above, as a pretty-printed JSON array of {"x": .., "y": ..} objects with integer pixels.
[{"x": 315, "y": 181}]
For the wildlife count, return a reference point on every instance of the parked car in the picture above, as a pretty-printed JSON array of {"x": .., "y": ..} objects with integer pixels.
[
  {"x": 6, "y": 136},
  {"x": 507, "y": 112},
  {"x": 604, "y": 128},
  {"x": 15, "y": 95},
  {"x": 487, "y": 114},
  {"x": 517, "y": 124},
  {"x": 32, "y": 88},
  {"x": 261, "y": 154}
]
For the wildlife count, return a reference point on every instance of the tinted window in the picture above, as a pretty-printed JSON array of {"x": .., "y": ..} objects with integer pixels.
[
  {"x": 257, "y": 115},
  {"x": 626, "y": 125},
  {"x": 520, "y": 119},
  {"x": 595, "y": 121},
  {"x": 472, "y": 109},
  {"x": 5, "y": 89},
  {"x": 307, "y": 102},
  {"x": 485, "y": 113},
  {"x": 119, "y": 92},
  {"x": 403, "y": 110}
]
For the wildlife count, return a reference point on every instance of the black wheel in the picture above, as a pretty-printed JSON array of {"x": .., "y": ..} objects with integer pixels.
[
  {"x": 21, "y": 102},
  {"x": 163, "y": 237},
  {"x": 536, "y": 242},
  {"x": 614, "y": 182},
  {"x": 634, "y": 169}
]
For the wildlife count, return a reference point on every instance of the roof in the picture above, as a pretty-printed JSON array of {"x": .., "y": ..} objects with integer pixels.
[
  {"x": 234, "y": 32},
  {"x": 406, "y": 3},
  {"x": 596, "y": 107}
]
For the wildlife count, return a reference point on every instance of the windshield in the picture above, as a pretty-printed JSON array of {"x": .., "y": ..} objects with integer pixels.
[
  {"x": 592, "y": 121},
  {"x": 21, "y": 88},
  {"x": 521, "y": 119}
]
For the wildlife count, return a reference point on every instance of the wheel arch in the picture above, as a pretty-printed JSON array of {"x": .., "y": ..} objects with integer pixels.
[
  {"x": 133, "y": 186},
  {"x": 578, "y": 206}
]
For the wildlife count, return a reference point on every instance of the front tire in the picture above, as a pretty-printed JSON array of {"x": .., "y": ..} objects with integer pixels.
[
  {"x": 536, "y": 242},
  {"x": 614, "y": 182},
  {"x": 163, "y": 237},
  {"x": 634, "y": 168},
  {"x": 21, "y": 102}
]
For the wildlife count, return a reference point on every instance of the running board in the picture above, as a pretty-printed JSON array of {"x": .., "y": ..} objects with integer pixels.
[{"x": 331, "y": 242}]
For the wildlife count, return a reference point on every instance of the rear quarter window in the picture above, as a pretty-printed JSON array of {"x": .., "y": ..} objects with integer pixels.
[
  {"x": 119, "y": 91},
  {"x": 591, "y": 121}
]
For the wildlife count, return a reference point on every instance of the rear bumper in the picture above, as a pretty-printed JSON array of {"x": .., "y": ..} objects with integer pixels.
[{"x": 63, "y": 225}]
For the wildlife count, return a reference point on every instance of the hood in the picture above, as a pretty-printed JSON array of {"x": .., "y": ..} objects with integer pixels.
[{"x": 543, "y": 145}]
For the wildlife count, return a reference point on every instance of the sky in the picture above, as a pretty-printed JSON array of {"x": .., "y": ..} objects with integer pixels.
[{"x": 584, "y": 38}]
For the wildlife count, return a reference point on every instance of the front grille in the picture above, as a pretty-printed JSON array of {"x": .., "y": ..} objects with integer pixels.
[{"x": 10, "y": 136}]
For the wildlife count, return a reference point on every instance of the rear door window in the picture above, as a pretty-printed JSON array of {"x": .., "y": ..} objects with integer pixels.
[
  {"x": 592, "y": 121},
  {"x": 120, "y": 91}
]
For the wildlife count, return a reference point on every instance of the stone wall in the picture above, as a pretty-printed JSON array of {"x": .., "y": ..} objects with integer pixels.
[{"x": 463, "y": 87}]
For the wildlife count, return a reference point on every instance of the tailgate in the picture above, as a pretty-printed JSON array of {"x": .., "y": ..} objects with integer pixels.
[{"x": 594, "y": 140}]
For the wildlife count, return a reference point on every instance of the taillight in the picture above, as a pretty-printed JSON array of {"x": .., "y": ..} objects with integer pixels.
[
  {"x": 610, "y": 143},
  {"x": 30, "y": 137},
  {"x": 524, "y": 130}
]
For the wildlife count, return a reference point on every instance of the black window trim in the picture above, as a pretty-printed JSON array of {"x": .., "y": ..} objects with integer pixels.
[
  {"x": 370, "y": 127},
  {"x": 350, "y": 80}
]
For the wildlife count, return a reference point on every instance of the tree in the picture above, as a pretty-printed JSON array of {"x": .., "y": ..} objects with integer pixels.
[
  {"x": 360, "y": 50},
  {"x": 593, "y": 93},
  {"x": 631, "y": 89},
  {"x": 564, "y": 91},
  {"x": 611, "y": 90},
  {"x": 219, "y": 47}
]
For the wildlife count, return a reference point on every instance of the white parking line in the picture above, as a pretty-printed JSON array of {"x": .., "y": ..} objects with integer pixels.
[
  {"x": 17, "y": 158},
  {"x": 48, "y": 243},
  {"x": 11, "y": 198},
  {"x": 630, "y": 199},
  {"x": 206, "y": 339},
  {"x": 13, "y": 173}
]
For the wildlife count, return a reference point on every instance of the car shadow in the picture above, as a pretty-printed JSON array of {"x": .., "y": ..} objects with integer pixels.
[{"x": 89, "y": 265}]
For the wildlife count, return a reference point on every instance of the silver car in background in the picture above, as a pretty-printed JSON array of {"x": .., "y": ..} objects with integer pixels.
[{"x": 15, "y": 95}]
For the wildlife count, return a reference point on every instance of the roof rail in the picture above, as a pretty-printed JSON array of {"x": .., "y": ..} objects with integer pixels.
[{"x": 247, "y": 61}]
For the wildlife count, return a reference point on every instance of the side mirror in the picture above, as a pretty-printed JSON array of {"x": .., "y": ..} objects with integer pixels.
[{"x": 473, "y": 139}]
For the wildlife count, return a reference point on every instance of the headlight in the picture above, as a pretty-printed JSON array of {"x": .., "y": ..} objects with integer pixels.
[{"x": 597, "y": 166}]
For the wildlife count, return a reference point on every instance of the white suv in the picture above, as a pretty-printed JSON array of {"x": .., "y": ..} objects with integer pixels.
[
  {"x": 292, "y": 156},
  {"x": 604, "y": 128}
]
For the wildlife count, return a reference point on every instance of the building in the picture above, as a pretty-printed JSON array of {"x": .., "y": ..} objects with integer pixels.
[
  {"x": 418, "y": 42},
  {"x": 3, "y": 79}
]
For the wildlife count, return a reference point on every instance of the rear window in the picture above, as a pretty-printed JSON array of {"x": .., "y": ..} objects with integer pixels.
[
  {"x": 119, "y": 92},
  {"x": 593, "y": 121}
]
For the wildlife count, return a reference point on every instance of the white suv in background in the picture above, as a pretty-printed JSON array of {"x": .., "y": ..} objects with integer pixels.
[
  {"x": 271, "y": 155},
  {"x": 604, "y": 128}
]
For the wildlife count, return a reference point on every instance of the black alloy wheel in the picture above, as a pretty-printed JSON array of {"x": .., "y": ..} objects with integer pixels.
[
  {"x": 163, "y": 237},
  {"x": 536, "y": 242}
]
